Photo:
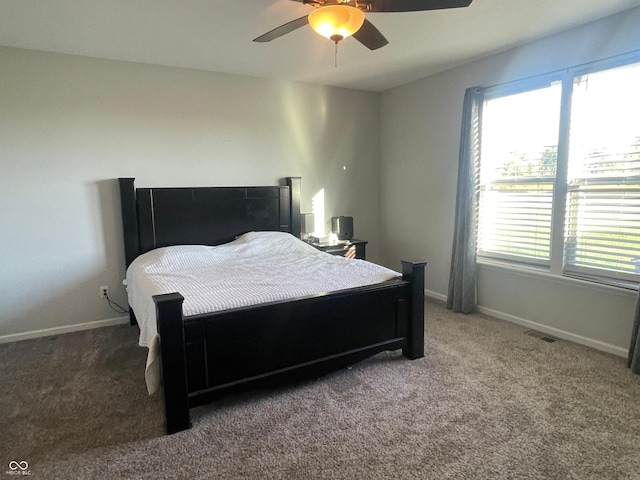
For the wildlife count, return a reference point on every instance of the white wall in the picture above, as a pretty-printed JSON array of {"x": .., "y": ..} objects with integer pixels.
[
  {"x": 70, "y": 125},
  {"x": 420, "y": 128}
]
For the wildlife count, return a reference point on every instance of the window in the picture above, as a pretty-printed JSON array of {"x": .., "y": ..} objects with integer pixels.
[
  {"x": 603, "y": 203},
  {"x": 519, "y": 148},
  {"x": 559, "y": 173}
]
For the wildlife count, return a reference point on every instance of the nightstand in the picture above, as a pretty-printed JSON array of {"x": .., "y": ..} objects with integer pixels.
[{"x": 351, "y": 249}]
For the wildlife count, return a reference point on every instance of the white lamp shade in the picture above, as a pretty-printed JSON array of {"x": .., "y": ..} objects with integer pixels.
[{"x": 308, "y": 223}]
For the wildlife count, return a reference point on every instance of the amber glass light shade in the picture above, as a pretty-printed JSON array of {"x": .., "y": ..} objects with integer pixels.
[{"x": 336, "y": 21}]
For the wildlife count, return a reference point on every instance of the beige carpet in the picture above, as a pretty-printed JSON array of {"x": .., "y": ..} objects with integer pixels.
[{"x": 487, "y": 402}]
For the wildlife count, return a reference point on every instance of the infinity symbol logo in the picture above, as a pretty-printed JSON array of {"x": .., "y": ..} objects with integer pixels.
[{"x": 13, "y": 465}]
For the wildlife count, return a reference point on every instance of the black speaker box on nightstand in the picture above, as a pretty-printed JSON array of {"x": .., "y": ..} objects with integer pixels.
[{"x": 343, "y": 227}]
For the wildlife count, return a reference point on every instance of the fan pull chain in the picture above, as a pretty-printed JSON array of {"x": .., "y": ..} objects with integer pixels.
[{"x": 335, "y": 57}]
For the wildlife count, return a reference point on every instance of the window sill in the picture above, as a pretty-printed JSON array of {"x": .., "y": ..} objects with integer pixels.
[{"x": 542, "y": 273}]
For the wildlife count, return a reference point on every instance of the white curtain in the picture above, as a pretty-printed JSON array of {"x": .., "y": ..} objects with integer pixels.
[{"x": 462, "y": 277}]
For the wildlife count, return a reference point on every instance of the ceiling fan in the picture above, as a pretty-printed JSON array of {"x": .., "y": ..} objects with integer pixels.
[{"x": 337, "y": 19}]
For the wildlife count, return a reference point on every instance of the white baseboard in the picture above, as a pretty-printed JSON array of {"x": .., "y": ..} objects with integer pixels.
[
  {"x": 47, "y": 332},
  {"x": 555, "y": 332},
  {"x": 436, "y": 295}
]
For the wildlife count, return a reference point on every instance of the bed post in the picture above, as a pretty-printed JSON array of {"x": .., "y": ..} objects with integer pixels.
[
  {"x": 414, "y": 272},
  {"x": 129, "y": 226},
  {"x": 174, "y": 371},
  {"x": 294, "y": 184},
  {"x": 129, "y": 218}
]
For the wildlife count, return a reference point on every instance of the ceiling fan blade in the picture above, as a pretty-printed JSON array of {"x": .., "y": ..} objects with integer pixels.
[
  {"x": 415, "y": 5},
  {"x": 370, "y": 36},
  {"x": 283, "y": 30}
]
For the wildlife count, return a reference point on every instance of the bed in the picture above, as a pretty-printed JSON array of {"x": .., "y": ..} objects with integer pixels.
[{"x": 204, "y": 354}]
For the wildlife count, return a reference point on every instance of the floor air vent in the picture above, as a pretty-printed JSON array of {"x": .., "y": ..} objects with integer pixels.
[{"x": 540, "y": 335}]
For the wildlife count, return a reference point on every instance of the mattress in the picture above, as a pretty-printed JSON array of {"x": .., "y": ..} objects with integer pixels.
[{"x": 256, "y": 268}]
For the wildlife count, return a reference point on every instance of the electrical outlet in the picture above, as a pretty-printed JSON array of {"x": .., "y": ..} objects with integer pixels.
[{"x": 104, "y": 292}]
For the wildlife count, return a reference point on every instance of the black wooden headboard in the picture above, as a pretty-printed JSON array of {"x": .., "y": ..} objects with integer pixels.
[{"x": 159, "y": 217}]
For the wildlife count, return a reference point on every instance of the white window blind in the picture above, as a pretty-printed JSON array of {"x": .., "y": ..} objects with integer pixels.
[
  {"x": 602, "y": 233},
  {"x": 519, "y": 145}
]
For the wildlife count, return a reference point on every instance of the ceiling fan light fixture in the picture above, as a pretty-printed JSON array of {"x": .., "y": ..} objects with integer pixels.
[{"x": 336, "y": 21}]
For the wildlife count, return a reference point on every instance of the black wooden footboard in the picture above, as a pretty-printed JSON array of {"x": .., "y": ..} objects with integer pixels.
[{"x": 204, "y": 355}]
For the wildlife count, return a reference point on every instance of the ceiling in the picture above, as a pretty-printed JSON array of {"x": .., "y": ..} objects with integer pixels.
[{"x": 216, "y": 35}]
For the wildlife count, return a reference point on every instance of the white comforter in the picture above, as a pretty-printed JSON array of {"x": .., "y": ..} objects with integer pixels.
[{"x": 255, "y": 268}]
